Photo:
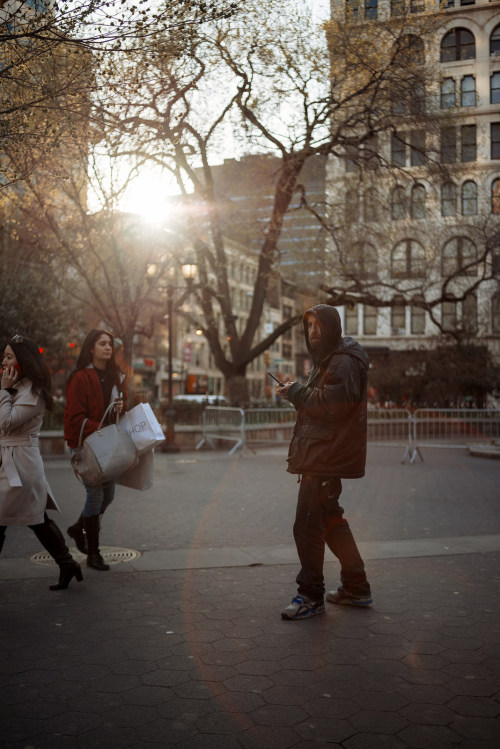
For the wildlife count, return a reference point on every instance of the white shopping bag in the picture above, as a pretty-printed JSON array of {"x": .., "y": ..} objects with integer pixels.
[{"x": 144, "y": 428}]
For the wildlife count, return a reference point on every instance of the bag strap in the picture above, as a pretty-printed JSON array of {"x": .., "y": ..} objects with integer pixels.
[{"x": 111, "y": 406}]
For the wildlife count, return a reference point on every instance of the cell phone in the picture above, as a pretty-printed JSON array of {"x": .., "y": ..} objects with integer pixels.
[
  {"x": 18, "y": 369},
  {"x": 281, "y": 384}
]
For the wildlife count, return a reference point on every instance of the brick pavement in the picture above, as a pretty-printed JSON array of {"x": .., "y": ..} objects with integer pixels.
[
  {"x": 201, "y": 658},
  {"x": 197, "y": 656}
]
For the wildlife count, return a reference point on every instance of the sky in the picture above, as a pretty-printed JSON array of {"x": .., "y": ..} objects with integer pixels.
[{"x": 149, "y": 194}]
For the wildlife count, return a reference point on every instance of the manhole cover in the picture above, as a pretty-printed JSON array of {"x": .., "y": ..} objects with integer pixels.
[{"x": 111, "y": 554}]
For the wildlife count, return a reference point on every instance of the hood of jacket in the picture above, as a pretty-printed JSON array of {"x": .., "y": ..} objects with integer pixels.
[{"x": 331, "y": 336}]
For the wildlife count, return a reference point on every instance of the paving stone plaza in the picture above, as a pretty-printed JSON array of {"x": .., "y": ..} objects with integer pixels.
[{"x": 183, "y": 644}]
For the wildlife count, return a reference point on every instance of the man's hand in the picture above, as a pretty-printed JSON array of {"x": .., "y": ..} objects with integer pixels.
[{"x": 285, "y": 388}]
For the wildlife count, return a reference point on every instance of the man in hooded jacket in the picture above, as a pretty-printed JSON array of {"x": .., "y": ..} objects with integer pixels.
[{"x": 328, "y": 444}]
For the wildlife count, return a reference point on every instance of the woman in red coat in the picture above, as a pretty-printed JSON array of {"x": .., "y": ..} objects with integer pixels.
[{"x": 96, "y": 382}]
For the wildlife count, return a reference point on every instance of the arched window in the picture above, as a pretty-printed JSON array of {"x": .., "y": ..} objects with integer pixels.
[
  {"x": 458, "y": 44},
  {"x": 469, "y": 198},
  {"x": 418, "y": 201},
  {"x": 398, "y": 203},
  {"x": 495, "y": 197},
  {"x": 417, "y": 317},
  {"x": 495, "y": 41},
  {"x": 468, "y": 97},
  {"x": 448, "y": 199},
  {"x": 495, "y": 88},
  {"x": 408, "y": 260},
  {"x": 398, "y": 315},
  {"x": 458, "y": 257},
  {"x": 495, "y": 312}
]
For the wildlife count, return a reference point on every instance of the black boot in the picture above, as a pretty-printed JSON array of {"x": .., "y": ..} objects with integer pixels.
[
  {"x": 52, "y": 540},
  {"x": 94, "y": 558},
  {"x": 77, "y": 533}
]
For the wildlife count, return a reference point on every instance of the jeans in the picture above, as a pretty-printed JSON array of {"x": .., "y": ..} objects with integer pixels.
[
  {"x": 98, "y": 498},
  {"x": 319, "y": 520}
]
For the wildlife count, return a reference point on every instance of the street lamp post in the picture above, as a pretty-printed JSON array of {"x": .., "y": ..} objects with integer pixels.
[{"x": 189, "y": 270}]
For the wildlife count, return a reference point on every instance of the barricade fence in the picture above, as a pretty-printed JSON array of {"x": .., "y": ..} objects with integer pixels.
[{"x": 249, "y": 427}]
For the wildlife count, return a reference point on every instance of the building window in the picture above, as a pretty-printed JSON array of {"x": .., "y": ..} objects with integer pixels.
[
  {"x": 352, "y": 8},
  {"x": 418, "y": 201},
  {"x": 458, "y": 44},
  {"x": 417, "y": 100},
  {"x": 495, "y": 197},
  {"x": 398, "y": 151},
  {"x": 469, "y": 199},
  {"x": 459, "y": 257},
  {"x": 468, "y": 97},
  {"x": 398, "y": 204},
  {"x": 352, "y": 159},
  {"x": 351, "y": 207},
  {"x": 495, "y": 312},
  {"x": 370, "y": 211},
  {"x": 495, "y": 89},
  {"x": 408, "y": 260},
  {"x": 495, "y": 41},
  {"x": 449, "y": 316},
  {"x": 495, "y": 140},
  {"x": 447, "y": 93},
  {"x": 371, "y": 9},
  {"x": 417, "y": 318},
  {"x": 362, "y": 261},
  {"x": 369, "y": 320},
  {"x": 398, "y": 322},
  {"x": 448, "y": 199},
  {"x": 468, "y": 142},
  {"x": 397, "y": 7},
  {"x": 417, "y": 148},
  {"x": 448, "y": 145},
  {"x": 469, "y": 313},
  {"x": 351, "y": 319}
]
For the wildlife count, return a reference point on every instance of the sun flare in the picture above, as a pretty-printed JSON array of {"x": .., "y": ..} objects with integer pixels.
[{"x": 149, "y": 195}]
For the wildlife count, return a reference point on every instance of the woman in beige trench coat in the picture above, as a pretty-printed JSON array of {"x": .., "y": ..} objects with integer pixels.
[{"x": 25, "y": 494}]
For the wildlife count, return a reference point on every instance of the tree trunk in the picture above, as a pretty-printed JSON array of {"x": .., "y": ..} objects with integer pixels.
[{"x": 237, "y": 390}]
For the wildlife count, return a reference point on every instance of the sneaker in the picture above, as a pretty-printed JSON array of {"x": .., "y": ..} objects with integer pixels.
[
  {"x": 302, "y": 607},
  {"x": 343, "y": 597}
]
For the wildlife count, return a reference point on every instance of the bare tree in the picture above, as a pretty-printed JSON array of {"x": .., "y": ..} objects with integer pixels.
[{"x": 265, "y": 81}]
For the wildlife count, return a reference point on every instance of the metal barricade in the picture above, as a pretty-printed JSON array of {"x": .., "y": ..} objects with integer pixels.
[
  {"x": 223, "y": 423},
  {"x": 448, "y": 427},
  {"x": 263, "y": 425},
  {"x": 390, "y": 427}
]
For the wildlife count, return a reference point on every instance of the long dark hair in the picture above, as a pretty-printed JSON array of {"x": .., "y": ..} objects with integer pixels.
[
  {"x": 33, "y": 367},
  {"x": 85, "y": 356}
]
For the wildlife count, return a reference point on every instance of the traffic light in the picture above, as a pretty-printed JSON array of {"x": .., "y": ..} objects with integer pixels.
[{"x": 267, "y": 358}]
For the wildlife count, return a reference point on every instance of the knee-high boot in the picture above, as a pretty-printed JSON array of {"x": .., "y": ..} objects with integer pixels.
[
  {"x": 341, "y": 542},
  {"x": 52, "y": 540},
  {"x": 2, "y": 536},
  {"x": 92, "y": 529},
  {"x": 77, "y": 533}
]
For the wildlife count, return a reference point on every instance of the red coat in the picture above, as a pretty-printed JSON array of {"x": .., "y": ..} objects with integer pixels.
[{"x": 84, "y": 400}]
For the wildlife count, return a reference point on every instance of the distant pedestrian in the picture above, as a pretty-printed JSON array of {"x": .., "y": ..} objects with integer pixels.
[
  {"x": 328, "y": 444},
  {"x": 96, "y": 382},
  {"x": 25, "y": 494}
]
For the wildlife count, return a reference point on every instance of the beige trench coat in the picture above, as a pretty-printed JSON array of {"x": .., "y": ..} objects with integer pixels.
[{"x": 24, "y": 491}]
